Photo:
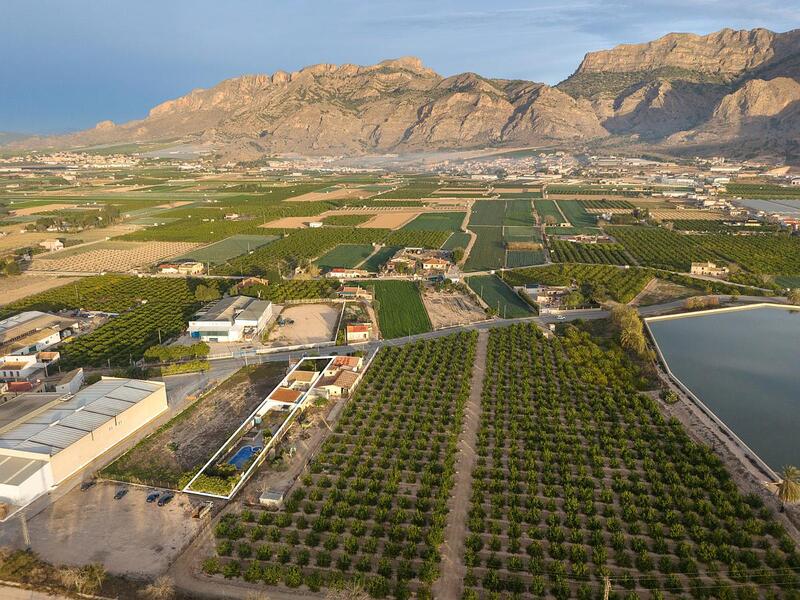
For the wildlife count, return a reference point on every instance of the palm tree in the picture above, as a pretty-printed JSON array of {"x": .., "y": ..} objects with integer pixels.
[{"x": 788, "y": 488}]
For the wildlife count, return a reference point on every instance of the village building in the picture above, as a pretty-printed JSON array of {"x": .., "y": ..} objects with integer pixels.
[
  {"x": 182, "y": 268},
  {"x": 709, "y": 269},
  {"x": 231, "y": 319},
  {"x": 358, "y": 332}
]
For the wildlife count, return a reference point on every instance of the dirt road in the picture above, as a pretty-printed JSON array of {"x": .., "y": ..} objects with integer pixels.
[{"x": 450, "y": 584}]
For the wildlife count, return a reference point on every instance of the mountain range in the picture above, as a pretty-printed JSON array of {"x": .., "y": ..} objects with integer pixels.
[{"x": 731, "y": 92}]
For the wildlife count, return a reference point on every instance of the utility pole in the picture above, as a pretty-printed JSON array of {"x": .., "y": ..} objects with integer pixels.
[{"x": 26, "y": 535}]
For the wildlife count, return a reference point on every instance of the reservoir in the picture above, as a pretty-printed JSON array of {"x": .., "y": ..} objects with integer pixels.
[{"x": 744, "y": 365}]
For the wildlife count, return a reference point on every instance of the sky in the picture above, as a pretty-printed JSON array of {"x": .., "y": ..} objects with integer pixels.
[{"x": 67, "y": 64}]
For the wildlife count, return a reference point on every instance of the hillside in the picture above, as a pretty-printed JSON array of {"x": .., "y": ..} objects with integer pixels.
[{"x": 683, "y": 92}]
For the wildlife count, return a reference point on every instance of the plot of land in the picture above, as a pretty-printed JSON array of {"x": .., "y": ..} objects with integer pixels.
[
  {"x": 177, "y": 204},
  {"x": 377, "y": 260},
  {"x": 236, "y": 245},
  {"x": 186, "y": 442},
  {"x": 20, "y": 286},
  {"x": 289, "y": 223},
  {"x": 306, "y": 324},
  {"x": 448, "y": 309},
  {"x": 334, "y": 193},
  {"x": 41, "y": 208},
  {"x": 390, "y": 220},
  {"x": 112, "y": 257},
  {"x": 457, "y": 240},
  {"x": 437, "y": 221},
  {"x": 400, "y": 309},
  {"x": 699, "y": 215},
  {"x": 344, "y": 255},
  {"x": 488, "y": 252},
  {"x": 500, "y": 298}
]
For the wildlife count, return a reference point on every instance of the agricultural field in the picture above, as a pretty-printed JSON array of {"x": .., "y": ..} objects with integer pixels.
[
  {"x": 437, "y": 221},
  {"x": 575, "y": 252},
  {"x": 660, "y": 248},
  {"x": 548, "y": 208},
  {"x": 224, "y": 250},
  {"x": 611, "y": 488},
  {"x": 524, "y": 258},
  {"x": 344, "y": 255},
  {"x": 399, "y": 308},
  {"x": 766, "y": 191},
  {"x": 606, "y": 204},
  {"x": 499, "y": 297},
  {"x": 284, "y": 290},
  {"x": 576, "y": 213},
  {"x": 112, "y": 256},
  {"x": 374, "y": 263},
  {"x": 618, "y": 284},
  {"x": 345, "y": 220},
  {"x": 420, "y": 188},
  {"x": 372, "y": 505},
  {"x": 173, "y": 453},
  {"x": 457, "y": 240},
  {"x": 487, "y": 213},
  {"x": 518, "y": 213},
  {"x": 489, "y": 251}
]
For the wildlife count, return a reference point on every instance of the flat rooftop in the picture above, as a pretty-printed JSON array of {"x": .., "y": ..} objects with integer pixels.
[
  {"x": 24, "y": 404},
  {"x": 14, "y": 469},
  {"x": 229, "y": 309},
  {"x": 51, "y": 430},
  {"x": 30, "y": 322}
]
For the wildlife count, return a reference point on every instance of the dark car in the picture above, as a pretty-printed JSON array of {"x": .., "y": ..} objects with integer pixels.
[
  {"x": 165, "y": 499},
  {"x": 153, "y": 496},
  {"x": 87, "y": 484},
  {"x": 120, "y": 494}
]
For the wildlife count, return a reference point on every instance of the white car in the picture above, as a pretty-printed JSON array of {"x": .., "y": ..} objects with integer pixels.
[{"x": 561, "y": 318}]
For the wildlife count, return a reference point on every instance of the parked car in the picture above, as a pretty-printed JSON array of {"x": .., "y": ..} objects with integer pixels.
[
  {"x": 165, "y": 499},
  {"x": 87, "y": 484},
  {"x": 153, "y": 496},
  {"x": 561, "y": 318},
  {"x": 120, "y": 494}
]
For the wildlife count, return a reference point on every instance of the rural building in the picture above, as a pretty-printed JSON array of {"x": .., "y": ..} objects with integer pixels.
[
  {"x": 231, "y": 319},
  {"x": 358, "y": 332},
  {"x": 354, "y": 292},
  {"x": 342, "y": 273},
  {"x": 33, "y": 331},
  {"x": 419, "y": 261},
  {"x": 182, "y": 268},
  {"x": 16, "y": 367},
  {"x": 52, "y": 245},
  {"x": 45, "y": 438},
  {"x": 708, "y": 268},
  {"x": 71, "y": 382}
]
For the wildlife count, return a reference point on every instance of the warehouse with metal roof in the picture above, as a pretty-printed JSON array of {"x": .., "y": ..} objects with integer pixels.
[{"x": 53, "y": 440}]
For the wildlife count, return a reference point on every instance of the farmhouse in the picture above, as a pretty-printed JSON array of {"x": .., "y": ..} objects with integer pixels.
[
  {"x": 52, "y": 245},
  {"x": 231, "y": 320},
  {"x": 343, "y": 273},
  {"x": 33, "y": 331},
  {"x": 182, "y": 268},
  {"x": 23, "y": 367},
  {"x": 45, "y": 438},
  {"x": 419, "y": 261},
  {"x": 358, "y": 332},
  {"x": 354, "y": 292},
  {"x": 708, "y": 268}
]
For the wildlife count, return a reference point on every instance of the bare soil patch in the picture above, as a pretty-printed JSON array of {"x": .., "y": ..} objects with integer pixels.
[
  {"x": 312, "y": 324},
  {"x": 290, "y": 222},
  {"x": 658, "y": 291},
  {"x": 392, "y": 220},
  {"x": 447, "y": 309},
  {"x": 694, "y": 215},
  {"x": 115, "y": 257},
  {"x": 177, "y": 204},
  {"x": 20, "y": 286},
  {"x": 340, "y": 194},
  {"x": 35, "y": 210}
]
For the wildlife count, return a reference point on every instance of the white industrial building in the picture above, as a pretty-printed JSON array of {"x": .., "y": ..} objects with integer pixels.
[
  {"x": 231, "y": 319},
  {"x": 46, "y": 438},
  {"x": 32, "y": 331}
]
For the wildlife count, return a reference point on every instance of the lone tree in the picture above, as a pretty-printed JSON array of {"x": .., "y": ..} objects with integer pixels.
[{"x": 788, "y": 488}]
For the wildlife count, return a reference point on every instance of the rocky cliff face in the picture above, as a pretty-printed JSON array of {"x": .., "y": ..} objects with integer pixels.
[{"x": 680, "y": 91}]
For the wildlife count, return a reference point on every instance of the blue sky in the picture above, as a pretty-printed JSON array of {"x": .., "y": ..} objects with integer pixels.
[{"x": 66, "y": 64}]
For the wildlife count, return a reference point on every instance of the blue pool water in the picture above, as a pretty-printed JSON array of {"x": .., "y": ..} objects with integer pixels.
[{"x": 243, "y": 455}]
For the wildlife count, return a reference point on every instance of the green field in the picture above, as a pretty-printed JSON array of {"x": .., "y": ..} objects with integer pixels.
[
  {"x": 457, "y": 240},
  {"x": 518, "y": 213},
  {"x": 224, "y": 250},
  {"x": 344, "y": 255},
  {"x": 439, "y": 221},
  {"x": 346, "y": 220},
  {"x": 400, "y": 309},
  {"x": 576, "y": 213},
  {"x": 524, "y": 258},
  {"x": 377, "y": 260},
  {"x": 499, "y": 296},
  {"x": 547, "y": 208},
  {"x": 487, "y": 212},
  {"x": 488, "y": 252},
  {"x": 522, "y": 234}
]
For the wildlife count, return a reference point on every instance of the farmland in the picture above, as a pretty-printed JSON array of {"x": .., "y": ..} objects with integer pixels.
[
  {"x": 293, "y": 289},
  {"x": 548, "y": 211},
  {"x": 373, "y": 504},
  {"x": 488, "y": 251},
  {"x": 224, "y": 250},
  {"x": 345, "y": 255},
  {"x": 345, "y": 220},
  {"x": 400, "y": 309},
  {"x": 610, "y": 488},
  {"x": 499, "y": 297},
  {"x": 576, "y": 213},
  {"x": 621, "y": 285},
  {"x": 457, "y": 240},
  {"x": 608, "y": 254},
  {"x": 377, "y": 260},
  {"x": 437, "y": 221},
  {"x": 114, "y": 257}
]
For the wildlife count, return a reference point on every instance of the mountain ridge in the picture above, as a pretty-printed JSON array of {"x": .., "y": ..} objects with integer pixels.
[{"x": 679, "y": 91}]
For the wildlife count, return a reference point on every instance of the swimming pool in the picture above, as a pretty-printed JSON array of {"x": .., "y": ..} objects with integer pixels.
[{"x": 244, "y": 454}]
